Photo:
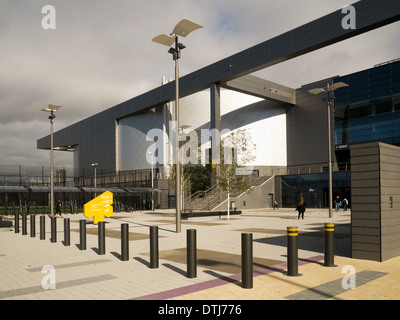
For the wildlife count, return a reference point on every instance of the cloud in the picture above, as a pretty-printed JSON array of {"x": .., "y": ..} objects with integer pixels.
[{"x": 101, "y": 54}]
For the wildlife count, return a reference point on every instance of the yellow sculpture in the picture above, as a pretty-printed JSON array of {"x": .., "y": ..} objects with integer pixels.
[{"x": 99, "y": 207}]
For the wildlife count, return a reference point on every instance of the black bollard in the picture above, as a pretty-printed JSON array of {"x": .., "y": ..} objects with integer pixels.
[
  {"x": 53, "y": 238},
  {"x": 24, "y": 227},
  {"x": 329, "y": 255},
  {"x": 16, "y": 222},
  {"x": 153, "y": 247},
  {"x": 292, "y": 254},
  {"x": 33, "y": 226},
  {"x": 42, "y": 227},
  {"x": 247, "y": 260},
  {"x": 82, "y": 234},
  {"x": 67, "y": 232},
  {"x": 191, "y": 253},
  {"x": 125, "y": 242},
  {"x": 102, "y": 238}
]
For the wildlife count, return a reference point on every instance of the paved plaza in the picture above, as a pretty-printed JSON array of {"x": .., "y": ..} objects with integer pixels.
[{"x": 30, "y": 266}]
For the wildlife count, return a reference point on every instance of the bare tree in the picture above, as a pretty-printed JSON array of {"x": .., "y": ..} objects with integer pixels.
[{"x": 237, "y": 150}]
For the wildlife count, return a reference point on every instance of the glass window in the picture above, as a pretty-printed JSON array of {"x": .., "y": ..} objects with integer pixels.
[
  {"x": 369, "y": 110},
  {"x": 313, "y": 187},
  {"x": 359, "y": 111},
  {"x": 396, "y": 104},
  {"x": 340, "y": 112},
  {"x": 382, "y": 106}
]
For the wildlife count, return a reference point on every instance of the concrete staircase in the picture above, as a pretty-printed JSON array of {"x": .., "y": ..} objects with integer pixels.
[{"x": 215, "y": 199}]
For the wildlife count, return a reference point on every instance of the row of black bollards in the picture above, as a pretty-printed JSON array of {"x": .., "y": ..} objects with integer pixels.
[
  {"x": 292, "y": 248},
  {"x": 191, "y": 245},
  {"x": 82, "y": 236},
  {"x": 292, "y": 253},
  {"x": 124, "y": 241}
]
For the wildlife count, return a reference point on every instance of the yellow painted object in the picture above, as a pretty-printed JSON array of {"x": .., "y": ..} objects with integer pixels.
[
  {"x": 292, "y": 231},
  {"x": 99, "y": 207},
  {"x": 329, "y": 227}
]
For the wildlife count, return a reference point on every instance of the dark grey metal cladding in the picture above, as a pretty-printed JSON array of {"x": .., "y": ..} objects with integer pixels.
[
  {"x": 371, "y": 14},
  {"x": 365, "y": 215},
  {"x": 375, "y": 188},
  {"x": 95, "y": 137}
]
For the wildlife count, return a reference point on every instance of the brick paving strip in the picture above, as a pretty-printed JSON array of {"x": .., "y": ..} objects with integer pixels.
[
  {"x": 334, "y": 288},
  {"x": 221, "y": 281},
  {"x": 70, "y": 265},
  {"x": 60, "y": 285}
]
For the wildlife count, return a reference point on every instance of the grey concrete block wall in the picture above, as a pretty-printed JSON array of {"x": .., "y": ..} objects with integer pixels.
[{"x": 375, "y": 177}]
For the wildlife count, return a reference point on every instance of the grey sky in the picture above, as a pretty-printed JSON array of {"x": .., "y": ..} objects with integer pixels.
[{"x": 101, "y": 54}]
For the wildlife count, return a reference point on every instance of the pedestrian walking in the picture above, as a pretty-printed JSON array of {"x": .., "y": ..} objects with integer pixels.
[
  {"x": 338, "y": 203},
  {"x": 301, "y": 208},
  {"x": 345, "y": 204},
  {"x": 58, "y": 208}
]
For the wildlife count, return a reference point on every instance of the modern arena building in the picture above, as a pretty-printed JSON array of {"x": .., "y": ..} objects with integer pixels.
[{"x": 288, "y": 126}]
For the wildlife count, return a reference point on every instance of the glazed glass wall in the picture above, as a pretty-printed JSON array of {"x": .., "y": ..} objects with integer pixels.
[
  {"x": 369, "y": 109},
  {"x": 27, "y": 188},
  {"x": 21, "y": 175},
  {"x": 314, "y": 189}
]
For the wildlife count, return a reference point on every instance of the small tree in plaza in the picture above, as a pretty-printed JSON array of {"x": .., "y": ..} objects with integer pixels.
[{"x": 237, "y": 150}]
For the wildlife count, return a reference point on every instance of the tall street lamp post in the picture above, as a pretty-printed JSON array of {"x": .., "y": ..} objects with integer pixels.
[
  {"x": 51, "y": 108},
  {"x": 183, "y": 28},
  {"x": 95, "y": 177},
  {"x": 330, "y": 100},
  {"x": 152, "y": 180}
]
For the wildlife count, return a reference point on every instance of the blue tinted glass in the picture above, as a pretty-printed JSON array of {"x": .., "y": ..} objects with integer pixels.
[{"x": 369, "y": 109}]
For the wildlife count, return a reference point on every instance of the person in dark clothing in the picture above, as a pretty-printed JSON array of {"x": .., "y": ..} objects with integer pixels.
[
  {"x": 301, "y": 208},
  {"x": 345, "y": 204},
  {"x": 58, "y": 208}
]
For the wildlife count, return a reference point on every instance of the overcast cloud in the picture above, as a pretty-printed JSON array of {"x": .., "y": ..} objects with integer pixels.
[{"x": 101, "y": 54}]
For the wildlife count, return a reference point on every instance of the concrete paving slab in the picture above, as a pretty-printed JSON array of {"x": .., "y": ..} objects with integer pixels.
[{"x": 85, "y": 275}]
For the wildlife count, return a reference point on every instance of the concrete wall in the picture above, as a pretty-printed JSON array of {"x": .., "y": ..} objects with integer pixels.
[
  {"x": 307, "y": 130},
  {"x": 375, "y": 177},
  {"x": 255, "y": 199}
]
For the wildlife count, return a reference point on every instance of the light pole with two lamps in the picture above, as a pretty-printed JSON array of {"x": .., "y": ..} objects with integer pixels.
[
  {"x": 330, "y": 100},
  {"x": 51, "y": 108},
  {"x": 183, "y": 28},
  {"x": 152, "y": 179}
]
